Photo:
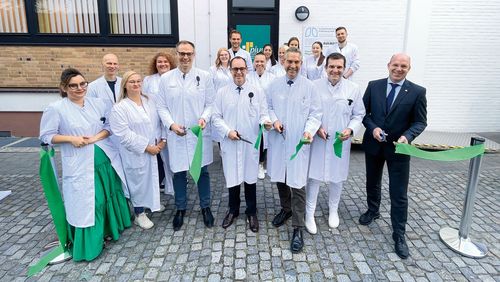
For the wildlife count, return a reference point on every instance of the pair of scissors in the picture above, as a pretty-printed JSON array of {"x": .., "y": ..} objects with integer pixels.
[{"x": 242, "y": 139}]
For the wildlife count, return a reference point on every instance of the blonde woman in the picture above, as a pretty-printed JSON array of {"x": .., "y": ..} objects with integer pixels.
[
  {"x": 221, "y": 75},
  {"x": 135, "y": 121},
  {"x": 94, "y": 201}
]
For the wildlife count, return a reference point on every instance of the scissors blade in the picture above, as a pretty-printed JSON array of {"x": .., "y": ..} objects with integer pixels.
[{"x": 245, "y": 140}]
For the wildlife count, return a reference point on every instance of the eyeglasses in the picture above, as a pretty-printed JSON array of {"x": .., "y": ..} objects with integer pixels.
[
  {"x": 74, "y": 86},
  {"x": 237, "y": 70},
  {"x": 134, "y": 81},
  {"x": 185, "y": 54}
]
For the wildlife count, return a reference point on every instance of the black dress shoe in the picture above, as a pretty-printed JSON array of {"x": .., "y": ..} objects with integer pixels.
[
  {"x": 368, "y": 217},
  {"x": 229, "y": 219},
  {"x": 253, "y": 223},
  {"x": 297, "y": 241},
  {"x": 281, "y": 218},
  {"x": 178, "y": 219},
  {"x": 400, "y": 247},
  {"x": 208, "y": 218}
]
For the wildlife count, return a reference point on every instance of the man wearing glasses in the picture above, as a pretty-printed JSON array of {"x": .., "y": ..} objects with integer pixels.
[
  {"x": 185, "y": 100},
  {"x": 294, "y": 108},
  {"x": 239, "y": 110}
]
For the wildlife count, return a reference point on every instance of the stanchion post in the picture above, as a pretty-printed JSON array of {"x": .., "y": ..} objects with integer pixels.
[{"x": 458, "y": 240}]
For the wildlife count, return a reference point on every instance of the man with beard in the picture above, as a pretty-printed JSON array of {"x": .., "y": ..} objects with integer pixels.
[
  {"x": 294, "y": 108},
  {"x": 184, "y": 100},
  {"x": 349, "y": 50}
]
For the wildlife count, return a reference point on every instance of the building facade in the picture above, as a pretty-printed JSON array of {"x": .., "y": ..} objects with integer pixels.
[{"x": 453, "y": 45}]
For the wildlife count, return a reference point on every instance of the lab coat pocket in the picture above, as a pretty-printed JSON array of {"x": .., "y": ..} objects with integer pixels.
[
  {"x": 133, "y": 160},
  {"x": 71, "y": 166},
  {"x": 253, "y": 109}
]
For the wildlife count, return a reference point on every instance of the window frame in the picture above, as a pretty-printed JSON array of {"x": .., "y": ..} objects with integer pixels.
[{"x": 104, "y": 38}]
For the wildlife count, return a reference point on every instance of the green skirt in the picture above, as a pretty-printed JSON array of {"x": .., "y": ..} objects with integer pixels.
[{"x": 112, "y": 214}]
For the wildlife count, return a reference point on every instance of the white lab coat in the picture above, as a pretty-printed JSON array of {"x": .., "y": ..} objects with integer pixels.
[
  {"x": 220, "y": 76},
  {"x": 66, "y": 118},
  {"x": 337, "y": 115},
  {"x": 184, "y": 101},
  {"x": 350, "y": 52},
  {"x": 245, "y": 55},
  {"x": 151, "y": 87},
  {"x": 233, "y": 111},
  {"x": 278, "y": 70},
  {"x": 263, "y": 82},
  {"x": 99, "y": 88},
  {"x": 137, "y": 127},
  {"x": 310, "y": 68},
  {"x": 298, "y": 108}
]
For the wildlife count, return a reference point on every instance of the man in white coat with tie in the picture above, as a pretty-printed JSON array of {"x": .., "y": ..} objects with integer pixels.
[
  {"x": 185, "y": 100},
  {"x": 107, "y": 87},
  {"x": 239, "y": 110},
  {"x": 343, "y": 112},
  {"x": 294, "y": 108}
]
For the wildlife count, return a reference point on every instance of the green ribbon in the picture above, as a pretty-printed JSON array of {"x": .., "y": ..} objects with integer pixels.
[
  {"x": 447, "y": 156},
  {"x": 195, "y": 169},
  {"x": 45, "y": 260},
  {"x": 337, "y": 144},
  {"x": 299, "y": 146},
  {"x": 56, "y": 207},
  {"x": 259, "y": 137}
]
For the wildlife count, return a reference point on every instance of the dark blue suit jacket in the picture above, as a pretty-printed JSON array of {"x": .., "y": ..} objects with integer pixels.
[{"x": 407, "y": 116}]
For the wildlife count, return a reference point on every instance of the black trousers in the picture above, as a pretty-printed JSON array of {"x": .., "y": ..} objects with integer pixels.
[
  {"x": 262, "y": 151},
  {"x": 250, "y": 199},
  {"x": 161, "y": 170},
  {"x": 399, "y": 173},
  {"x": 294, "y": 200}
]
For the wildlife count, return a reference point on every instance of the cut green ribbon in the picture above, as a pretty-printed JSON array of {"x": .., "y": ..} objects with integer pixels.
[
  {"x": 45, "y": 260},
  {"x": 299, "y": 146},
  {"x": 447, "y": 156},
  {"x": 56, "y": 207},
  {"x": 195, "y": 169},
  {"x": 337, "y": 144},
  {"x": 259, "y": 137}
]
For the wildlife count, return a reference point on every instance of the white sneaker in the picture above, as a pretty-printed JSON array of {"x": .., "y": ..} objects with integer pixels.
[
  {"x": 162, "y": 208},
  {"x": 311, "y": 225},
  {"x": 262, "y": 173},
  {"x": 333, "y": 219},
  {"x": 143, "y": 221}
]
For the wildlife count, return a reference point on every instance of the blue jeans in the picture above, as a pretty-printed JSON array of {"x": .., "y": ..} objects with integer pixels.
[{"x": 180, "y": 189}]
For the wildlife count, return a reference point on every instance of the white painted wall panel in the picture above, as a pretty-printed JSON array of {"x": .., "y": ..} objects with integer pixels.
[{"x": 462, "y": 66}]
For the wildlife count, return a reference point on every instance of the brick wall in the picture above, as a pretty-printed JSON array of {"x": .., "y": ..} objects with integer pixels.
[{"x": 33, "y": 67}]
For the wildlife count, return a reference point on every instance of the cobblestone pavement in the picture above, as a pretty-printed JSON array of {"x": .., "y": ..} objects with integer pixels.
[{"x": 351, "y": 252}]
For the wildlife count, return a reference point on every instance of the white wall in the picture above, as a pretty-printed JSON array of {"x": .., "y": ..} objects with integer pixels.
[
  {"x": 453, "y": 44},
  {"x": 205, "y": 24},
  {"x": 26, "y": 102}
]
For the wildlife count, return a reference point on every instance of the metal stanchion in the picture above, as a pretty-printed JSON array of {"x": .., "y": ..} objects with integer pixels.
[{"x": 459, "y": 240}]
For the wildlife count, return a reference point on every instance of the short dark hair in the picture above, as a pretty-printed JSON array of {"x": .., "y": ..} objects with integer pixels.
[
  {"x": 293, "y": 38},
  {"x": 260, "y": 53},
  {"x": 237, "y": 57},
  {"x": 233, "y": 31},
  {"x": 334, "y": 56},
  {"x": 339, "y": 28},
  {"x": 184, "y": 42},
  {"x": 66, "y": 76}
]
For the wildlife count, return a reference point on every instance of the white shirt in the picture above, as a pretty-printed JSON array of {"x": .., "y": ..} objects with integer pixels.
[
  {"x": 342, "y": 108},
  {"x": 298, "y": 108},
  {"x": 262, "y": 81},
  {"x": 245, "y": 55},
  {"x": 184, "y": 99},
  {"x": 221, "y": 77},
  {"x": 235, "y": 110},
  {"x": 310, "y": 68},
  {"x": 67, "y": 118},
  {"x": 350, "y": 52},
  {"x": 99, "y": 88},
  {"x": 151, "y": 84},
  {"x": 278, "y": 70},
  {"x": 137, "y": 127}
]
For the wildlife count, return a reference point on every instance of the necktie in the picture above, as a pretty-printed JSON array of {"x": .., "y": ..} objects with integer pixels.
[
  {"x": 390, "y": 97},
  {"x": 239, "y": 89},
  {"x": 183, "y": 76},
  {"x": 290, "y": 82}
]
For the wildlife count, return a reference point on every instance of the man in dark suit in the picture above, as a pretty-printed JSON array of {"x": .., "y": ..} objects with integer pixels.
[{"x": 396, "y": 111}]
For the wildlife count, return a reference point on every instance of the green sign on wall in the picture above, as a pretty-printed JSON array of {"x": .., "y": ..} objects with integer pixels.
[{"x": 254, "y": 37}]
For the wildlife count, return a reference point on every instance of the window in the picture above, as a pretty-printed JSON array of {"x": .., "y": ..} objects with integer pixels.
[{"x": 89, "y": 22}]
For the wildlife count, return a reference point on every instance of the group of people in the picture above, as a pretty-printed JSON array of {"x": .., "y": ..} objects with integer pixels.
[{"x": 283, "y": 117}]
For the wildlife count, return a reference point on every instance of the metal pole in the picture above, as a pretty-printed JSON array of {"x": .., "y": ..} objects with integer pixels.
[{"x": 458, "y": 240}]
